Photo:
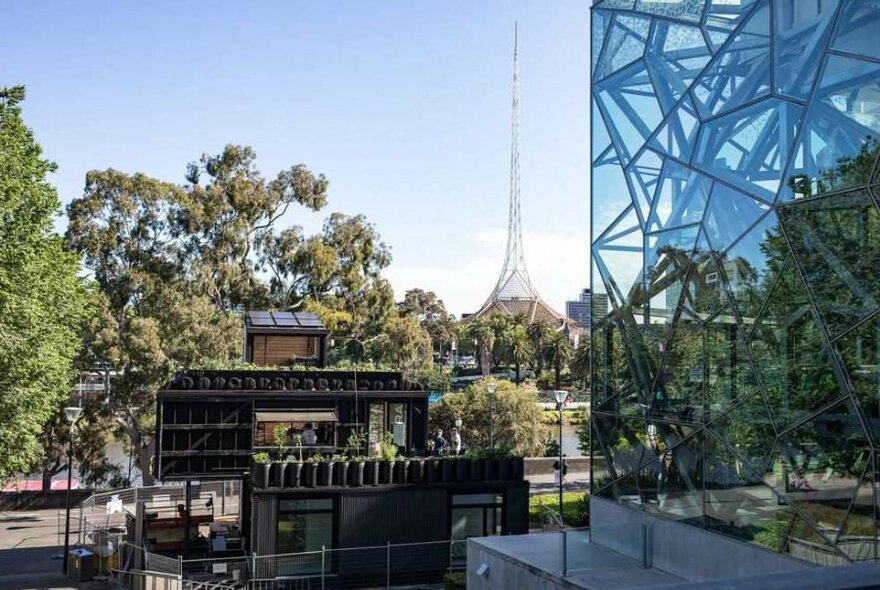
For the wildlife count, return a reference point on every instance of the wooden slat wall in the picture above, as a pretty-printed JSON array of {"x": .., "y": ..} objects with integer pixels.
[{"x": 279, "y": 350}]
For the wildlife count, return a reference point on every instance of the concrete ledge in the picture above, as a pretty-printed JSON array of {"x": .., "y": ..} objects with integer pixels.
[
  {"x": 864, "y": 576},
  {"x": 544, "y": 465}
]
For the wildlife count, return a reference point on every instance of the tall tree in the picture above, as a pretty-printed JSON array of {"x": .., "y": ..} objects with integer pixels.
[
  {"x": 41, "y": 300},
  {"x": 404, "y": 344},
  {"x": 429, "y": 310},
  {"x": 558, "y": 351},
  {"x": 484, "y": 337},
  {"x": 538, "y": 333},
  {"x": 580, "y": 362},
  {"x": 520, "y": 349}
]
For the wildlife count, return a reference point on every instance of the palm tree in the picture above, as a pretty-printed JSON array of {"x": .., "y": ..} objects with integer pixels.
[
  {"x": 580, "y": 362},
  {"x": 484, "y": 338},
  {"x": 558, "y": 351},
  {"x": 538, "y": 332},
  {"x": 519, "y": 347}
]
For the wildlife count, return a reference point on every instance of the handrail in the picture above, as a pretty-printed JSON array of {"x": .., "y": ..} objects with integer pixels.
[{"x": 555, "y": 515}]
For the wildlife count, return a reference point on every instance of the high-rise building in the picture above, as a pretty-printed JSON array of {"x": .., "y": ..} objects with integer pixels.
[
  {"x": 578, "y": 310},
  {"x": 737, "y": 234}
]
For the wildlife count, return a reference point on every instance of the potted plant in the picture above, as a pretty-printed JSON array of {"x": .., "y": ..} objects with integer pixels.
[
  {"x": 401, "y": 469},
  {"x": 340, "y": 470},
  {"x": 260, "y": 470},
  {"x": 279, "y": 467},
  {"x": 356, "y": 464},
  {"x": 311, "y": 469},
  {"x": 294, "y": 466},
  {"x": 475, "y": 465},
  {"x": 325, "y": 472},
  {"x": 417, "y": 470},
  {"x": 388, "y": 451},
  {"x": 447, "y": 469},
  {"x": 462, "y": 469}
]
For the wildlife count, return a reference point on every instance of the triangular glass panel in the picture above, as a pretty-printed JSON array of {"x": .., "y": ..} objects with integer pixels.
[
  {"x": 748, "y": 147},
  {"x": 608, "y": 175},
  {"x": 625, "y": 44},
  {"x": 857, "y": 538},
  {"x": 672, "y": 484},
  {"x": 839, "y": 143},
  {"x": 643, "y": 174},
  {"x": 807, "y": 543},
  {"x": 857, "y": 27},
  {"x": 667, "y": 261},
  {"x": 738, "y": 503},
  {"x": 621, "y": 4},
  {"x": 723, "y": 17},
  {"x": 801, "y": 32},
  {"x": 628, "y": 402},
  {"x": 600, "y": 470},
  {"x": 860, "y": 352},
  {"x": 790, "y": 353},
  {"x": 681, "y": 198},
  {"x": 676, "y": 55},
  {"x": 731, "y": 375},
  {"x": 690, "y": 10},
  {"x": 729, "y": 214},
  {"x": 630, "y": 107},
  {"x": 625, "y": 440},
  {"x": 740, "y": 71},
  {"x": 706, "y": 292},
  {"x": 599, "y": 20},
  {"x": 610, "y": 370},
  {"x": 679, "y": 393},
  {"x": 619, "y": 257},
  {"x": 600, "y": 140},
  {"x": 678, "y": 136},
  {"x": 747, "y": 429},
  {"x": 836, "y": 241},
  {"x": 752, "y": 266}
]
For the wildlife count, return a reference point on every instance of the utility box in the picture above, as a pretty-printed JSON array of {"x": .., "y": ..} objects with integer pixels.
[{"x": 81, "y": 565}]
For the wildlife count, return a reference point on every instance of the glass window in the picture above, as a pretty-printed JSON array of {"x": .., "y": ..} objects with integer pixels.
[
  {"x": 375, "y": 427},
  {"x": 304, "y": 526},
  {"x": 473, "y": 515},
  {"x": 306, "y": 428},
  {"x": 397, "y": 423}
]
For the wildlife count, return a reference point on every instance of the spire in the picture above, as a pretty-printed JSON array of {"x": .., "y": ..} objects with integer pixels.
[{"x": 514, "y": 293}]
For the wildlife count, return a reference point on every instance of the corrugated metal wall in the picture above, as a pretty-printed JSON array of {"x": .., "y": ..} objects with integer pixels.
[
  {"x": 404, "y": 516},
  {"x": 264, "y": 524}
]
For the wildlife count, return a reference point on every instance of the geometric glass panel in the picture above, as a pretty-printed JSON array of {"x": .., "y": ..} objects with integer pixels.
[
  {"x": 681, "y": 198},
  {"x": 731, "y": 376},
  {"x": 857, "y": 28},
  {"x": 748, "y": 147},
  {"x": 706, "y": 291},
  {"x": 630, "y": 106},
  {"x": 801, "y": 31},
  {"x": 857, "y": 538},
  {"x": 610, "y": 372},
  {"x": 601, "y": 140},
  {"x": 679, "y": 391},
  {"x": 723, "y": 17},
  {"x": 677, "y": 137},
  {"x": 608, "y": 174},
  {"x": 667, "y": 261},
  {"x": 690, "y": 10},
  {"x": 740, "y": 71},
  {"x": 836, "y": 241},
  {"x": 625, "y": 44},
  {"x": 860, "y": 352},
  {"x": 749, "y": 432},
  {"x": 618, "y": 255},
  {"x": 643, "y": 174},
  {"x": 676, "y": 490},
  {"x": 838, "y": 146},
  {"x": 600, "y": 20},
  {"x": 675, "y": 55},
  {"x": 729, "y": 214}
]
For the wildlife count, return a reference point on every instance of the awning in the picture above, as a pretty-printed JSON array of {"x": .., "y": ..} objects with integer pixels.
[{"x": 297, "y": 416}]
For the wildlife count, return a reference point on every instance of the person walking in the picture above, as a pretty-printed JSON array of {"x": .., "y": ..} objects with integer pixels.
[
  {"x": 456, "y": 441},
  {"x": 439, "y": 443}
]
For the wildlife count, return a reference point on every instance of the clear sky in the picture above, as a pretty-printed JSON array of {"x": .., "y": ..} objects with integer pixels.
[{"x": 405, "y": 106}]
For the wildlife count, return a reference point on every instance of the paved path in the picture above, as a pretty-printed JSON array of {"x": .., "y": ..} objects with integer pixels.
[
  {"x": 574, "y": 482},
  {"x": 29, "y": 541}
]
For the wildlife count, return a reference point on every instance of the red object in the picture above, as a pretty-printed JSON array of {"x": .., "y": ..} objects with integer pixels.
[{"x": 36, "y": 485}]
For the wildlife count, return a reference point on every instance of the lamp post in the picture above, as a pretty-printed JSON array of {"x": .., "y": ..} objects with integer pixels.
[
  {"x": 561, "y": 396},
  {"x": 490, "y": 389},
  {"x": 72, "y": 414},
  {"x": 458, "y": 430}
]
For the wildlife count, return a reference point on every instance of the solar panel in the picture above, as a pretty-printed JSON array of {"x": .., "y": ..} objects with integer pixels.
[
  {"x": 284, "y": 318},
  {"x": 309, "y": 320},
  {"x": 260, "y": 318}
]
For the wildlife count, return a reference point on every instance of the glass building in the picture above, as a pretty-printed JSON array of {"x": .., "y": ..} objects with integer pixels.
[{"x": 736, "y": 233}]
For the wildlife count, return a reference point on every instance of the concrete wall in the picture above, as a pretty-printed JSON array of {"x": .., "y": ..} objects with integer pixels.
[
  {"x": 507, "y": 573},
  {"x": 682, "y": 550},
  {"x": 544, "y": 465}
]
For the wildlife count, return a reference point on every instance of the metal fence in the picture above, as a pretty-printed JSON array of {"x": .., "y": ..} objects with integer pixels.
[{"x": 382, "y": 566}]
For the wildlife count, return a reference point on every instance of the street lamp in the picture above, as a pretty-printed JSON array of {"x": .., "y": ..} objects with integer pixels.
[
  {"x": 490, "y": 389},
  {"x": 72, "y": 414},
  {"x": 561, "y": 396},
  {"x": 457, "y": 423}
]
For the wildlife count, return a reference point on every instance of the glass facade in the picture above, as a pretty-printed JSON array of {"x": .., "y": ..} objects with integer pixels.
[{"x": 736, "y": 233}]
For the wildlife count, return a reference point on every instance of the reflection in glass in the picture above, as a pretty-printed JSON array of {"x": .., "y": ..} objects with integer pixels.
[
  {"x": 802, "y": 29},
  {"x": 857, "y": 27},
  {"x": 860, "y": 352}
]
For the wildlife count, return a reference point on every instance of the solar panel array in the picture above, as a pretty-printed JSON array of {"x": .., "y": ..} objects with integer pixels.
[{"x": 283, "y": 319}]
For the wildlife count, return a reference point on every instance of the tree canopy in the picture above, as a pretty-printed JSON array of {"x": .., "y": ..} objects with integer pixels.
[{"x": 41, "y": 301}]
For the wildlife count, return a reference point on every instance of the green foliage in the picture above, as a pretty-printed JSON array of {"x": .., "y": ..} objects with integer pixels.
[
  {"x": 42, "y": 303},
  {"x": 575, "y": 509},
  {"x": 551, "y": 446},
  {"x": 431, "y": 314},
  {"x": 517, "y": 418},
  {"x": 455, "y": 581},
  {"x": 580, "y": 362},
  {"x": 499, "y": 452},
  {"x": 387, "y": 449},
  {"x": 557, "y": 352},
  {"x": 279, "y": 437},
  {"x": 584, "y": 432},
  {"x": 434, "y": 378},
  {"x": 316, "y": 458},
  {"x": 261, "y": 458}
]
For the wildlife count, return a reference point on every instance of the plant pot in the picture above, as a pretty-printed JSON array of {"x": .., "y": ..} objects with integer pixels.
[
  {"x": 371, "y": 473},
  {"x": 276, "y": 475},
  {"x": 386, "y": 472},
  {"x": 432, "y": 470},
  {"x": 476, "y": 469},
  {"x": 293, "y": 475},
  {"x": 417, "y": 471},
  {"x": 356, "y": 473},
  {"x": 260, "y": 475},
  {"x": 447, "y": 470},
  {"x": 340, "y": 473},
  {"x": 401, "y": 471},
  {"x": 504, "y": 468},
  {"x": 311, "y": 473},
  {"x": 490, "y": 469},
  {"x": 325, "y": 474},
  {"x": 462, "y": 470},
  {"x": 517, "y": 468}
]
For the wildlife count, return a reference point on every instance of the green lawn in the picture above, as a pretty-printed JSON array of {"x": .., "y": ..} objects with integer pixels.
[{"x": 575, "y": 508}]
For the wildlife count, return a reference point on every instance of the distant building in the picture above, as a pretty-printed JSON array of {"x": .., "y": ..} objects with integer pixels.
[{"x": 579, "y": 311}]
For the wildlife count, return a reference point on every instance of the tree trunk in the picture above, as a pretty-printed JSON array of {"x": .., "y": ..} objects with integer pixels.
[
  {"x": 517, "y": 372},
  {"x": 485, "y": 363},
  {"x": 145, "y": 450},
  {"x": 556, "y": 369}
]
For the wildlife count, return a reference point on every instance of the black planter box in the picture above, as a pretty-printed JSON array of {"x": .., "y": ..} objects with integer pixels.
[
  {"x": 417, "y": 471},
  {"x": 260, "y": 475},
  {"x": 371, "y": 473},
  {"x": 475, "y": 467},
  {"x": 325, "y": 474},
  {"x": 462, "y": 470},
  {"x": 293, "y": 477},
  {"x": 447, "y": 470},
  {"x": 401, "y": 471},
  {"x": 432, "y": 470},
  {"x": 311, "y": 474},
  {"x": 340, "y": 473},
  {"x": 490, "y": 469},
  {"x": 356, "y": 473},
  {"x": 276, "y": 475}
]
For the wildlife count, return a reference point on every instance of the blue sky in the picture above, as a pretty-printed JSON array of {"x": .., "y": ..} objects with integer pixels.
[{"x": 405, "y": 106}]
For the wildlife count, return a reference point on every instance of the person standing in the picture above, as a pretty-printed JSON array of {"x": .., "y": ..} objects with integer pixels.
[
  {"x": 439, "y": 443},
  {"x": 456, "y": 441}
]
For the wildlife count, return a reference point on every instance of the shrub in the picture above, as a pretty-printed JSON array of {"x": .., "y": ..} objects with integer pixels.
[{"x": 455, "y": 581}]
